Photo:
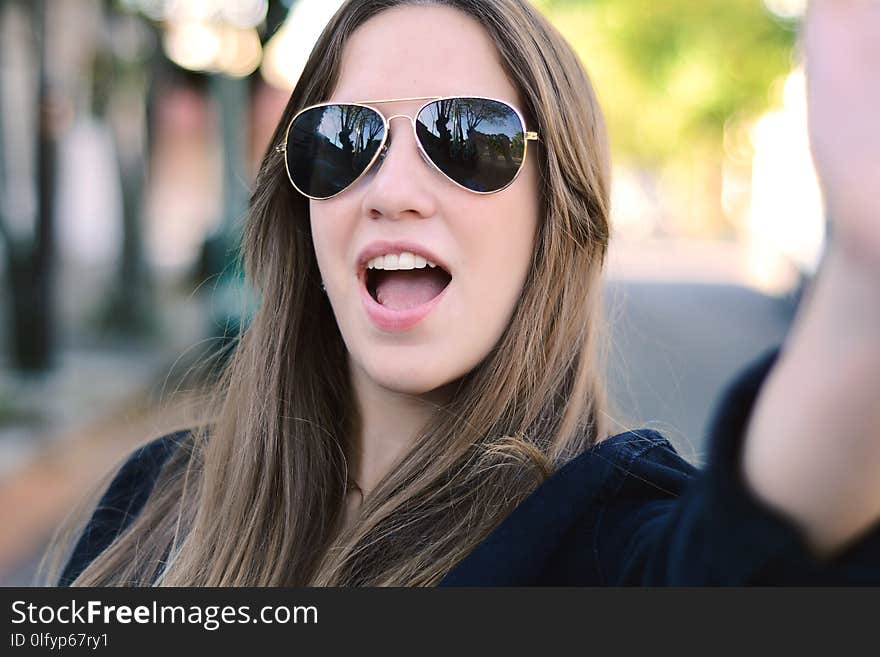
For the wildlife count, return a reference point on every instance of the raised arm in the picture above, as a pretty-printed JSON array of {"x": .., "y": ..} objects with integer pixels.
[{"x": 812, "y": 448}]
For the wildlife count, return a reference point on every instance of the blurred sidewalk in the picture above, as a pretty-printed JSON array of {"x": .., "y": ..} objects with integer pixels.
[
  {"x": 35, "y": 498},
  {"x": 76, "y": 423},
  {"x": 702, "y": 261}
]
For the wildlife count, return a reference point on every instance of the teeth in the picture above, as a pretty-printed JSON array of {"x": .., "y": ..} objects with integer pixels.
[{"x": 404, "y": 260}]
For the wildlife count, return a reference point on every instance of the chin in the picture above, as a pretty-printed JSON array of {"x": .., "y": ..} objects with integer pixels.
[{"x": 409, "y": 384}]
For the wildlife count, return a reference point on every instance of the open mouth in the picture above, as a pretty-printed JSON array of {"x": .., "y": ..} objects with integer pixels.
[{"x": 402, "y": 289}]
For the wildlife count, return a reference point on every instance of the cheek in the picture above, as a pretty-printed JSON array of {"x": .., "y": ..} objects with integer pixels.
[
  {"x": 500, "y": 252},
  {"x": 328, "y": 237},
  {"x": 319, "y": 243},
  {"x": 512, "y": 229},
  {"x": 317, "y": 224}
]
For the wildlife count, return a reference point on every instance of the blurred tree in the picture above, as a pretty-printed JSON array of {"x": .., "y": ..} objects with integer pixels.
[
  {"x": 232, "y": 97},
  {"x": 30, "y": 258},
  {"x": 122, "y": 98},
  {"x": 670, "y": 75},
  {"x": 233, "y": 301}
]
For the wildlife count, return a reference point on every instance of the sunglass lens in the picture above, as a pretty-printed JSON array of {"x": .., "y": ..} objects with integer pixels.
[
  {"x": 330, "y": 146},
  {"x": 478, "y": 143}
]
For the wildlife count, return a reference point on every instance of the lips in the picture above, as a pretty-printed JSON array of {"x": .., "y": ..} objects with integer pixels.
[{"x": 390, "y": 319}]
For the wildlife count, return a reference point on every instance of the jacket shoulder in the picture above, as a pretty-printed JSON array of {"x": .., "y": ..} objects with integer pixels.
[
  {"x": 121, "y": 502},
  {"x": 641, "y": 460},
  {"x": 631, "y": 444},
  {"x": 548, "y": 538}
]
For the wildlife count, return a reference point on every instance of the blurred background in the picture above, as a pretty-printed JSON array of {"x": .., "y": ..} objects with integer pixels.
[{"x": 130, "y": 133}]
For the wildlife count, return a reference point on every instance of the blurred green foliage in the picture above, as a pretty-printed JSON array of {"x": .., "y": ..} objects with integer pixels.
[{"x": 671, "y": 73}]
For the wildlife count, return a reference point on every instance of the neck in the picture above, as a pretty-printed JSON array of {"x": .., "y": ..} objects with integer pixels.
[{"x": 389, "y": 423}]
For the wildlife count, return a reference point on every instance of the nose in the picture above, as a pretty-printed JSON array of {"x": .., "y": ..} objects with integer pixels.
[{"x": 401, "y": 183}]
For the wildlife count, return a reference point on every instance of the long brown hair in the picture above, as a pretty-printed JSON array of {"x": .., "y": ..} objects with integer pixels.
[{"x": 256, "y": 497}]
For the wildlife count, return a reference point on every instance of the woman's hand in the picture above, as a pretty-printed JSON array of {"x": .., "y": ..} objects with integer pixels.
[
  {"x": 812, "y": 448},
  {"x": 842, "y": 46}
]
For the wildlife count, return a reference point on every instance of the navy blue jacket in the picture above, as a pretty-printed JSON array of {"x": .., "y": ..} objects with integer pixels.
[{"x": 628, "y": 511}]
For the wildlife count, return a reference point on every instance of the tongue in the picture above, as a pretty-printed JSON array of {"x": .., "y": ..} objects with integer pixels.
[{"x": 408, "y": 288}]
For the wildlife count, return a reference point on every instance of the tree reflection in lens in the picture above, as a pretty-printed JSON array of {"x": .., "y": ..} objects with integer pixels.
[
  {"x": 330, "y": 146},
  {"x": 479, "y": 143}
]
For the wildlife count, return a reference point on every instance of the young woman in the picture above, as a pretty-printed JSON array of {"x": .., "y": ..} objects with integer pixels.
[{"x": 419, "y": 398}]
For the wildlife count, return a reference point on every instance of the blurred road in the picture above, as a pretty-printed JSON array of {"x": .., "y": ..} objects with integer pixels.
[{"x": 677, "y": 344}]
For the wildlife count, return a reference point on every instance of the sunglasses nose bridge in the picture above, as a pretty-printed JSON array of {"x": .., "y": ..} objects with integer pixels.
[
  {"x": 412, "y": 122},
  {"x": 401, "y": 116}
]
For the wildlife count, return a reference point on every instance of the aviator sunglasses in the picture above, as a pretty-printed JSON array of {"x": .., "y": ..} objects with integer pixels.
[{"x": 478, "y": 143}]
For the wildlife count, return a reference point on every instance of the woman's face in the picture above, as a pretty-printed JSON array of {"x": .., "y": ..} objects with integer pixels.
[{"x": 485, "y": 241}]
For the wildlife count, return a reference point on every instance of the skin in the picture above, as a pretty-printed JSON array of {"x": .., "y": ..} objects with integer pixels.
[
  {"x": 487, "y": 240},
  {"x": 813, "y": 446}
]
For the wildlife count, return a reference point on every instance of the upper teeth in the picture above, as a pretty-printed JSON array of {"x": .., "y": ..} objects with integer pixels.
[{"x": 405, "y": 260}]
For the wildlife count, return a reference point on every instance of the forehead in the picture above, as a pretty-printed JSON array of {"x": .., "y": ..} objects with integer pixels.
[{"x": 407, "y": 52}]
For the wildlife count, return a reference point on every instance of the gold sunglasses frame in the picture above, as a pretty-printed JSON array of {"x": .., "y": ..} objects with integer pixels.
[{"x": 527, "y": 137}]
